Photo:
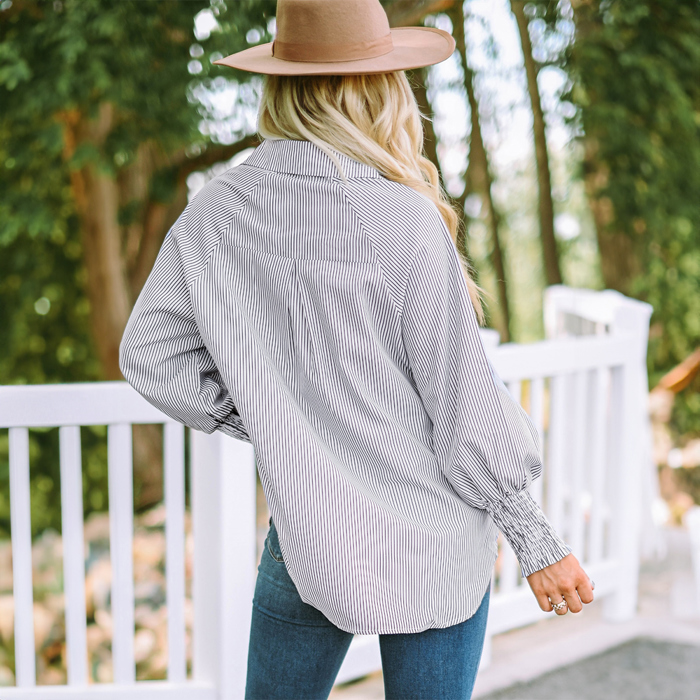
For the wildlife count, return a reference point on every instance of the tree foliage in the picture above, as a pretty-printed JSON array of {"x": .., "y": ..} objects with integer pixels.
[
  {"x": 100, "y": 124},
  {"x": 635, "y": 66}
]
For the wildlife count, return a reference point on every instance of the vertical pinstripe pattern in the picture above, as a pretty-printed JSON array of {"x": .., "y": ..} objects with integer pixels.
[{"x": 328, "y": 323}]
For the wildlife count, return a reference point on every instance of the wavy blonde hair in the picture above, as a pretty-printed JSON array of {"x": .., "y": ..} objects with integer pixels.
[{"x": 373, "y": 119}]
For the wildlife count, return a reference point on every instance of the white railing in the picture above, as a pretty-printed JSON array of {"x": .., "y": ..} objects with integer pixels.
[
  {"x": 583, "y": 394},
  {"x": 570, "y": 312},
  {"x": 223, "y": 528},
  {"x": 588, "y": 397}
]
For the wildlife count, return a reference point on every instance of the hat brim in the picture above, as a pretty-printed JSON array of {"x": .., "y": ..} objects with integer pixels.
[{"x": 414, "y": 47}]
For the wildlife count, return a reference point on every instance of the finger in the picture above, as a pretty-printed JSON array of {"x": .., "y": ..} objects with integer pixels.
[
  {"x": 572, "y": 601},
  {"x": 558, "y": 599},
  {"x": 543, "y": 601},
  {"x": 585, "y": 591}
]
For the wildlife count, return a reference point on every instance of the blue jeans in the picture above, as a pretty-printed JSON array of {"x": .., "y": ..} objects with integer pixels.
[{"x": 295, "y": 652}]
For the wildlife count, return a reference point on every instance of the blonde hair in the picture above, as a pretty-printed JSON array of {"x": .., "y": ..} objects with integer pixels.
[{"x": 373, "y": 119}]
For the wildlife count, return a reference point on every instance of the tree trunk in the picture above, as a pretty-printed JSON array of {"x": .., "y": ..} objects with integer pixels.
[
  {"x": 418, "y": 84},
  {"x": 544, "y": 181},
  {"x": 96, "y": 197},
  {"x": 620, "y": 260},
  {"x": 478, "y": 177},
  {"x": 145, "y": 233}
]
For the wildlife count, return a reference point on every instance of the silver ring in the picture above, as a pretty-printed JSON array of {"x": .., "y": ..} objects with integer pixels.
[{"x": 560, "y": 605}]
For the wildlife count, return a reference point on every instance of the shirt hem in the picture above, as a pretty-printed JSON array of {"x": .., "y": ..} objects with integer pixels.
[{"x": 421, "y": 628}]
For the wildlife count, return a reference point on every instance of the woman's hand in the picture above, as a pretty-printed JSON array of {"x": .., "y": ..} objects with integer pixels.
[{"x": 565, "y": 579}]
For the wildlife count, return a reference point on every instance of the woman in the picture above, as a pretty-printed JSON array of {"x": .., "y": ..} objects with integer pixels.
[{"x": 312, "y": 302}]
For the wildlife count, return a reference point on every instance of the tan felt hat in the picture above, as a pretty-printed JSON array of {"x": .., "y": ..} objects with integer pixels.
[{"x": 340, "y": 37}]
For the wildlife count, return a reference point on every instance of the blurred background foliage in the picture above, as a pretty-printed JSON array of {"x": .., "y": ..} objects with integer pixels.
[
  {"x": 112, "y": 115},
  {"x": 99, "y": 130},
  {"x": 636, "y": 80}
]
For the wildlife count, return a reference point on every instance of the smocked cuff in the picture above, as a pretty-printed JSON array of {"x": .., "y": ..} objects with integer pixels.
[{"x": 527, "y": 530}]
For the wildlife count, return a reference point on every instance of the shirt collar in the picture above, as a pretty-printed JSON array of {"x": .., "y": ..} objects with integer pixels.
[{"x": 305, "y": 158}]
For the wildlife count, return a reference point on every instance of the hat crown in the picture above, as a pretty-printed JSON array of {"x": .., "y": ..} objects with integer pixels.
[{"x": 331, "y": 30}]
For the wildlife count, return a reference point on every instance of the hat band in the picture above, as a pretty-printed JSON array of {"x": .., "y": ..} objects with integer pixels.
[{"x": 332, "y": 53}]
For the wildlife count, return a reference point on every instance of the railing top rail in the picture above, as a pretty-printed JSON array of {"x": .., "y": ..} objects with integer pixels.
[
  {"x": 599, "y": 306},
  {"x": 546, "y": 358},
  {"x": 80, "y": 403},
  {"x": 107, "y": 403}
]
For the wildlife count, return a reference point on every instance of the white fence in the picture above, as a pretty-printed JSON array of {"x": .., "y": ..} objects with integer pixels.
[{"x": 586, "y": 395}]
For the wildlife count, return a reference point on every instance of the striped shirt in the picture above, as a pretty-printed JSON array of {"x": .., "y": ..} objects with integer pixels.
[{"x": 328, "y": 323}]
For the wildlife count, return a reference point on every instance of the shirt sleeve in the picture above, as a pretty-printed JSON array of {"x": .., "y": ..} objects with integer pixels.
[
  {"x": 487, "y": 446},
  {"x": 163, "y": 356}
]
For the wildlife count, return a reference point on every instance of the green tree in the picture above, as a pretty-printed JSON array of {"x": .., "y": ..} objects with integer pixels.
[
  {"x": 100, "y": 125},
  {"x": 635, "y": 69},
  {"x": 550, "y": 253}
]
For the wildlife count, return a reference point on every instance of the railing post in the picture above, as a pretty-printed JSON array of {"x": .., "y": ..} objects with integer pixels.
[
  {"x": 73, "y": 554},
  {"x": 625, "y": 496},
  {"x": 174, "y": 491},
  {"x": 121, "y": 550},
  {"x": 632, "y": 502},
  {"x": 635, "y": 478},
  {"x": 632, "y": 316},
  {"x": 21, "y": 534},
  {"x": 691, "y": 519},
  {"x": 225, "y": 557}
]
